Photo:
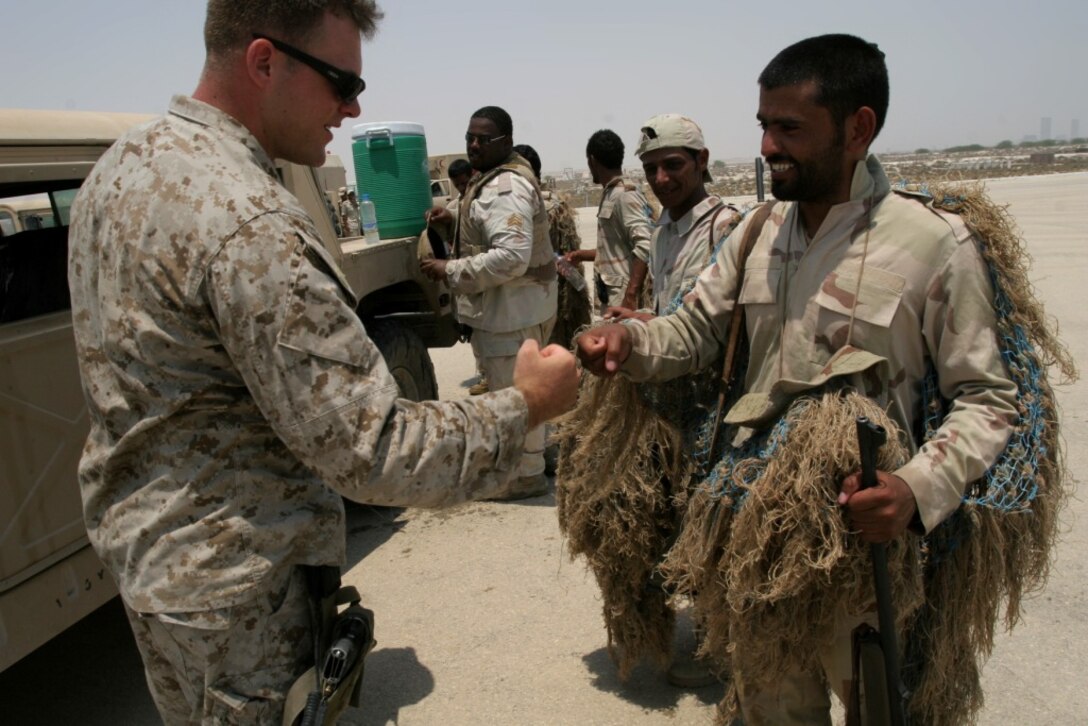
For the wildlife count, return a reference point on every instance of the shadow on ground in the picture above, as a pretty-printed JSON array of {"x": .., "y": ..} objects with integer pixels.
[
  {"x": 646, "y": 687},
  {"x": 394, "y": 678},
  {"x": 368, "y": 528}
]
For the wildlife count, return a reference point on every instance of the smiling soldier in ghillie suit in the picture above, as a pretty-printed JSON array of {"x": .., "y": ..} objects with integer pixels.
[
  {"x": 624, "y": 474},
  {"x": 857, "y": 299}
]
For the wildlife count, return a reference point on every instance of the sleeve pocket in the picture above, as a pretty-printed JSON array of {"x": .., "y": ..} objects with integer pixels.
[{"x": 318, "y": 320}]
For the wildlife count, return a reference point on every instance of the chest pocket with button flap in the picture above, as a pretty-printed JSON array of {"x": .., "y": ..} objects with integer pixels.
[
  {"x": 759, "y": 295},
  {"x": 877, "y": 301}
]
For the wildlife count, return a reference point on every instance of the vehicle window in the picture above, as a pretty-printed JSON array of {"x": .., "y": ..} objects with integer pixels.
[
  {"x": 34, "y": 253},
  {"x": 7, "y": 223},
  {"x": 62, "y": 202}
]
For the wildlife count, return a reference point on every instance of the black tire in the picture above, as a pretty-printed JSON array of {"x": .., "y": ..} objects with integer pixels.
[{"x": 407, "y": 359}]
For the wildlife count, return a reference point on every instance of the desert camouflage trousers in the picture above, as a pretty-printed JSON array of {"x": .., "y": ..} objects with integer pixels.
[
  {"x": 228, "y": 666},
  {"x": 496, "y": 353},
  {"x": 608, "y": 295},
  {"x": 801, "y": 697}
]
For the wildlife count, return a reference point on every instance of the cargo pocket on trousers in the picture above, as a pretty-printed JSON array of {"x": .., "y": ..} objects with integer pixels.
[{"x": 254, "y": 685}]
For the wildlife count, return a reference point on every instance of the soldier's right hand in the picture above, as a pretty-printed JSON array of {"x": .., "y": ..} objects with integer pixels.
[
  {"x": 603, "y": 350},
  {"x": 438, "y": 215},
  {"x": 548, "y": 379}
]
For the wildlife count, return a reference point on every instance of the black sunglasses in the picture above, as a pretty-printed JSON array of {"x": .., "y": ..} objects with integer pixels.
[{"x": 348, "y": 85}]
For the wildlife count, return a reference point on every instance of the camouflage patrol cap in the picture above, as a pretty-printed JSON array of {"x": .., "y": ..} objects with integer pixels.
[{"x": 671, "y": 130}]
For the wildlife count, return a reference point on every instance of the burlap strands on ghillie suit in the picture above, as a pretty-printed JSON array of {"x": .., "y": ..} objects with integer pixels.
[
  {"x": 765, "y": 554},
  {"x": 620, "y": 468},
  {"x": 764, "y": 550},
  {"x": 573, "y": 306},
  {"x": 996, "y": 548},
  {"x": 625, "y": 469}
]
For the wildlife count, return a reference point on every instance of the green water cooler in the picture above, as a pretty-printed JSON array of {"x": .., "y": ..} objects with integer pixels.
[{"x": 391, "y": 166}]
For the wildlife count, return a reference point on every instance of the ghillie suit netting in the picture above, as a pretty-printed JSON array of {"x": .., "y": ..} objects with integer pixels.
[
  {"x": 621, "y": 489},
  {"x": 765, "y": 556},
  {"x": 1012, "y": 511},
  {"x": 573, "y": 306}
]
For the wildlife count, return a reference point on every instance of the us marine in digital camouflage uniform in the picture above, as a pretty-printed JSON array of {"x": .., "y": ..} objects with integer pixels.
[
  {"x": 234, "y": 395},
  {"x": 624, "y": 226},
  {"x": 504, "y": 276},
  {"x": 842, "y": 258}
]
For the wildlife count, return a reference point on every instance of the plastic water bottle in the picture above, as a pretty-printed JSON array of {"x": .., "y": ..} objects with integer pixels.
[
  {"x": 368, "y": 219},
  {"x": 570, "y": 272}
]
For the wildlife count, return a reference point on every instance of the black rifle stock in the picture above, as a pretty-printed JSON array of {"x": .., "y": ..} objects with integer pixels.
[{"x": 870, "y": 438}]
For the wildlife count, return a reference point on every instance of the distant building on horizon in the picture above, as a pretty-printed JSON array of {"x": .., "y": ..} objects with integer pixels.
[
  {"x": 1074, "y": 129},
  {"x": 1044, "y": 128}
]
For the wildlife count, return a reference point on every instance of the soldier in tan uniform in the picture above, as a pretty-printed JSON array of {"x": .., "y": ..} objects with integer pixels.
[
  {"x": 843, "y": 258},
  {"x": 349, "y": 212},
  {"x": 460, "y": 174},
  {"x": 693, "y": 221},
  {"x": 624, "y": 226},
  {"x": 504, "y": 274},
  {"x": 573, "y": 308},
  {"x": 234, "y": 396}
]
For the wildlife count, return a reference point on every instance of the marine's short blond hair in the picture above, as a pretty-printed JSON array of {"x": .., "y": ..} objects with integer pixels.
[{"x": 230, "y": 24}]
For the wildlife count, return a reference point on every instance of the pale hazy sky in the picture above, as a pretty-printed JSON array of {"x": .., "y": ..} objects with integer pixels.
[{"x": 962, "y": 71}]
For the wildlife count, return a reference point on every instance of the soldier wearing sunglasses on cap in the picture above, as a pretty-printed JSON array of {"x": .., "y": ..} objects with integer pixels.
[
  {"x": 504, "y": 273},
  {"x": 234, "y": 395}
]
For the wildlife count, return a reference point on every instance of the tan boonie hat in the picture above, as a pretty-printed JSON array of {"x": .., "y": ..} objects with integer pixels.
[{"x": 671, "y": 130}]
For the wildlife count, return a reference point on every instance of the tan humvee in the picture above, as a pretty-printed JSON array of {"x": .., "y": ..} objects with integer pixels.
[{"x": 49, "y": 576}]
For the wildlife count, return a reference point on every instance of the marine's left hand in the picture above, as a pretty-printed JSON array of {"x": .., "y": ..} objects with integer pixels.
[
  {"x": 434, "y": 268},
  {"x": 880, "y": 513}
]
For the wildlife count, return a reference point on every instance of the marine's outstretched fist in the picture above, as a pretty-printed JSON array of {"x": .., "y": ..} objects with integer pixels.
[{"x": 548, "y": 379}]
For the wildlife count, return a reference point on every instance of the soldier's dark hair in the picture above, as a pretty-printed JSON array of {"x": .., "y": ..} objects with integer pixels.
[
  {"x": 459, "y": 167},
  {"x": 230, "y": 24},
  {"x": 499, "y": 117},
  {"x": 529, "y": 154},
  {"x": 607, "y": 148},
  {"x": 849, "y": 73}
]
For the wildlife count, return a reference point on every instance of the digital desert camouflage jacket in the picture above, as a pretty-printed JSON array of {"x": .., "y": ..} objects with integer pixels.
[
  {"x": 505, "y": 279},
  {"x": 624, "y": 226},
  {"x": 925, "y": 299},
  {"x": 233, "y": 393}
]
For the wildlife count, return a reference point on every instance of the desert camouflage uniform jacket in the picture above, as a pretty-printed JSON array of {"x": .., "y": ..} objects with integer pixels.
[
  {"x": 925, "y": 300},
  {"x": 624, "y": 226},
  {"x": 681, "y": 250},
  {"x": 233, "y": 393},
  {"x": 505, "y": 279}
]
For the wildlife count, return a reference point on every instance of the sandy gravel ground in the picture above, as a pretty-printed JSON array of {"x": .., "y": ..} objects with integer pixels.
[{"x": 483, "y": 618}]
